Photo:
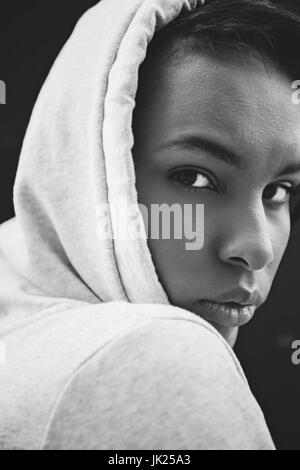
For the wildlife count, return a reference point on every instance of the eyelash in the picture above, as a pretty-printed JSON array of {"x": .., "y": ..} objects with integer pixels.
[{"x": 174, "y": 176}]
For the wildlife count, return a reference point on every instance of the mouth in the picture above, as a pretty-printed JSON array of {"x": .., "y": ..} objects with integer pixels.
[{"x": 230, "y": 314}]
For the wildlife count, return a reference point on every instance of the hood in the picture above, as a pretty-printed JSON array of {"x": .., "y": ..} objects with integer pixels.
[{"x": 76, "y": 156}]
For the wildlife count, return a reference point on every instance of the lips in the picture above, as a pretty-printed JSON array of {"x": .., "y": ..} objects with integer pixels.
[
  {"x": 240, "y": 295},
  {"x": 228, "y": 314}
]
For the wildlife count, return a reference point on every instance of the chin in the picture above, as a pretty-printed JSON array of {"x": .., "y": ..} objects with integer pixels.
[{"x": 230, "y": 334}]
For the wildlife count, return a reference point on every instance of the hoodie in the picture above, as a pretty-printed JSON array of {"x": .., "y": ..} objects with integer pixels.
[{"x": 93, "y": 355}]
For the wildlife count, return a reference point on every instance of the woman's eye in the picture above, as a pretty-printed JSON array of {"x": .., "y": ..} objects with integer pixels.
[
  {"x": 193, "y": 180},
  {"x": 278, "y": 193}
]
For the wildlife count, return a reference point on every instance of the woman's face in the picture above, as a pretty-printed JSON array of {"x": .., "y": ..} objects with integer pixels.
[{"x": 223, "y": 135}]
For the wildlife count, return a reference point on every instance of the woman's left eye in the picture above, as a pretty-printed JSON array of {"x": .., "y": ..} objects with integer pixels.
[
  {"x": 278, "y": 193},
  {"x": 192, "y": 180}
]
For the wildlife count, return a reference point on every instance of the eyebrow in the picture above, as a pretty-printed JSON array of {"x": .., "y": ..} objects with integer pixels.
[{"x": 219, "y": 151}]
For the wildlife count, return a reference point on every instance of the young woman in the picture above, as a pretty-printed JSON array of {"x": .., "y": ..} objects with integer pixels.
[{"x": 116, "y": 342}]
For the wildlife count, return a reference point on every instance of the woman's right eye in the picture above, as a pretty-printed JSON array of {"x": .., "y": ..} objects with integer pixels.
[{"x": 192, "y": 180}]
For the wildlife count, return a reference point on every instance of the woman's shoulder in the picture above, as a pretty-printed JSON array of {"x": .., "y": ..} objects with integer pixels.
[
  {"x": 178, "y": 330},
  {"x": 171, "y": 383}
]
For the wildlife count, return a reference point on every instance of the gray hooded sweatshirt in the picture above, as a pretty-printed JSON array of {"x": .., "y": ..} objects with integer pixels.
[{"x": 92, "y": 353}]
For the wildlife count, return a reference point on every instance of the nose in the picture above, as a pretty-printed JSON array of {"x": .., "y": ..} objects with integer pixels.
[{"x": 246, "y": 241}]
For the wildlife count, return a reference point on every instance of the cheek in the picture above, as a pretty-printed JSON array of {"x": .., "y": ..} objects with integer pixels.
[
  {"x": 179, "y": 271},
  {"x": 280, "y": 246},
  {"x": 280, "y": 238}
]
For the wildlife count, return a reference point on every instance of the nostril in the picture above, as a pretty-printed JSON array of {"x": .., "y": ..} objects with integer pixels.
[{"x": 239, "y": 260}]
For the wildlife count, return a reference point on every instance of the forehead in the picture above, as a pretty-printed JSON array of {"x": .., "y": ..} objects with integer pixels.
[{"x": 246, "y": 101}]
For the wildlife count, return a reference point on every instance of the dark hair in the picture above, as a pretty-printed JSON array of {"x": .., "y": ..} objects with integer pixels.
[{"x": 227, "y": 28}]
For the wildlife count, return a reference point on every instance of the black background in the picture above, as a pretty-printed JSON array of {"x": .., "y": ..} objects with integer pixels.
[{"x": 31, "y": 35}]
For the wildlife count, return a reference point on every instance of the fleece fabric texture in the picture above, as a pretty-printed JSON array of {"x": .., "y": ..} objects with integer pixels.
[{"x": 93, "y": 355}]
